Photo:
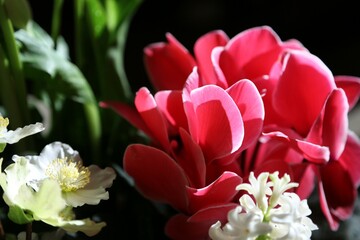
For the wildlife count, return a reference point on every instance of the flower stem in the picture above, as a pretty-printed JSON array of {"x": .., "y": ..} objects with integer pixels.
[
  {"x": 15, "y": 66},
  {"x": 29, "y": 231},
  {"x": 94, "y": 123}
]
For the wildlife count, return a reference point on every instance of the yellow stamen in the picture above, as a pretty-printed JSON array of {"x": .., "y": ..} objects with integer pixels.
[
  {"x": 69, "y": 174},
  {"x": 4, "y": 122}
]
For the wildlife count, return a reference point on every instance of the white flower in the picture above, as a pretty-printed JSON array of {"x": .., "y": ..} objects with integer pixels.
[
  {"x": 280, "y": 186},
  {"x": 271, "y": 212},
  {"x": 41, "y": 204},
  {"x": 10, "y": 136},
  {"x": 46, "y": 203},
  {"x": 79, "y": 184},
  {"x": 292, "y": 218},
  {"x": 240, "y": 226},
  {"x": 259, "y": 188}
]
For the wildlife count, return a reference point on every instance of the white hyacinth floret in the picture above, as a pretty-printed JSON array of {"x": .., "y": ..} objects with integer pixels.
[{"x": 267, "y": 212}]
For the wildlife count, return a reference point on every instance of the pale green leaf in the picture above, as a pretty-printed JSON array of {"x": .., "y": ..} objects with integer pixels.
[
  {"x": 19, "y": 216},
  {"x": 51, "y": 68}
]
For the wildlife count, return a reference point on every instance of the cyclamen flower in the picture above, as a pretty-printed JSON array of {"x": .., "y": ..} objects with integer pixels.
[
  {"x": 10, "y": 136},
  {"x": 45, "y": 204},
  {"x": 275, "y": 214},
  {"x": 79, "y": 184}
]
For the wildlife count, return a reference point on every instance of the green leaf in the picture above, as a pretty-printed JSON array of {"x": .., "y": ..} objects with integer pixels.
[
  {"x": 19, "y": 12},
  {"x": 51, "y": 68},
  {"x": 117, "y": 52},
  {"x": 119, "y": 14},
  {"x": 97, "y": 16},
  {"x": 19, "y": 216},
  {"x": 2, "y": 147}
]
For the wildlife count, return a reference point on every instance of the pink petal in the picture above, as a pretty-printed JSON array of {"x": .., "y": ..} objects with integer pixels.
[
  {"x": 171, "y": 105},
  {"x": 337, "y": 193},
  {"x": 156, "y": 175},
  {"x": 302, "y": 90},
  {"x": 312, "y": 152},
  {"x": 330, "y": 128},
  {"x": 203, "y": 48},
  {"x": 220, "y": 191},
  {"x": 190, "y": 157},
  {"x": 153, "y": 118},
  {"x": 243, "y": 48},
  {"x": 350, "y": 158},
  {"x": 336, "y": 123},
  {"x": 196, "y": 227},
  {"x": 214, "y": 120},
  {"x": 351, "y": 86},
  {"x": 129, "y": 113},
  {"x": 168, "y": 64},
  {"x": 249, "y": 101}
]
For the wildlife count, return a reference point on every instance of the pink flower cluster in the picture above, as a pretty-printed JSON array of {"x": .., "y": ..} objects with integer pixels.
[{"x": 249, "y": 103}]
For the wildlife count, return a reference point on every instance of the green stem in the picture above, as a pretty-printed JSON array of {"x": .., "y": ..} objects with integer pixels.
[
  {"x": 56, "y": 20},
  {"x": 79, "y": 6},
  {"x": 9, "y": 100},
  {"x": 94, "y": 125},
  {"x": 15, "y": 66}
]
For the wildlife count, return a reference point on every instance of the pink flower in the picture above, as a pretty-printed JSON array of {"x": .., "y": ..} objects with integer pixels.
[
  {"x": 249, "y": 103},
  {"x": 220, "y": 60},
  {"x": 309, "y": 113},
  {"x": 190, "y": 131}
]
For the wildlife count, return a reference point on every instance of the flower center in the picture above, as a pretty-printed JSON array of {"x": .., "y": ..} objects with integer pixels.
[{"x": 69, "y": 174}]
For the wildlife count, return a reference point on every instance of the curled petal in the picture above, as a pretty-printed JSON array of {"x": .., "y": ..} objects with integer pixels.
[
  {"x": 302, "y": 90},
  {"x": 214, "y": 120},
  {"x": 351, "y": 86},
  {"x": 171, "y": 105},
  {"x": 203, "y": 49},
  {"x": 220, "y": 191},
  {"x": 312, "y": 152},
  {"x": 168, "y": 64},
  {"x": 196, "y": 227},
  {"x": 350, "y": 158},
  {"x": 153, "y": 118},
  {"x": 243, "y": 48},
  {"x": 247, "y": 98}
]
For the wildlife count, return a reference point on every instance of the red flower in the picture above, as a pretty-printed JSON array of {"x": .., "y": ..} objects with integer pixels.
[
  {"x": 313, "y": 120},
  {"x": 190, "y": 130},
  {"x": 250, "y": 103},
  {"x": 220, "y": 60}
]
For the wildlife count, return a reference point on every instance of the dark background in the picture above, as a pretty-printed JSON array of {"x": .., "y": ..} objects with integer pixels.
[{"x": 330, "y": 30}]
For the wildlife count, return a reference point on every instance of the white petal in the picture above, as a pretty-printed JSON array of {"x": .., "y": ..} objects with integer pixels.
[{"x": 14, "y": 136}]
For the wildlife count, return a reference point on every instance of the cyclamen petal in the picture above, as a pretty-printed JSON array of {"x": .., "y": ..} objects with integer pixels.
[
  {"x": 292, "y": 95},
  {"x": 157, "y": 176},
  {"x": 168, "y": 64},
  {"x": 203, "y": 50},
  {"x": 215, "y": 121}
]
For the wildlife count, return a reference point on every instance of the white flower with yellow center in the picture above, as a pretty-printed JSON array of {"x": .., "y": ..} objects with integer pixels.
[
  {"x": 270, "y": 213},
  {"x": 79, "y": 184},
  {"x": 45, "y": 203},
  {"x": 10, "y": 136}
]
